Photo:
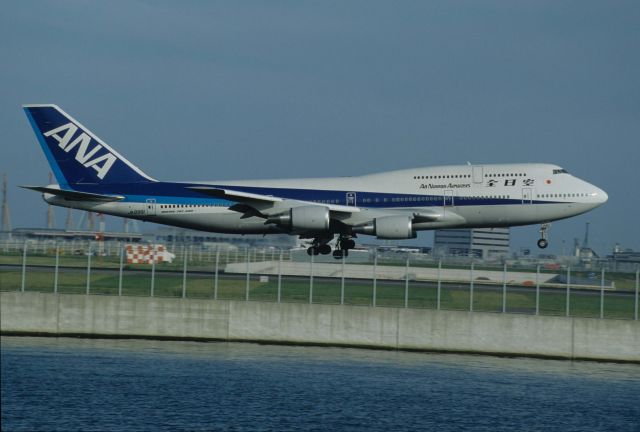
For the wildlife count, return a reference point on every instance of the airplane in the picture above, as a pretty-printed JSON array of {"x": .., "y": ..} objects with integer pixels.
[{"x": 93, "y": 176}]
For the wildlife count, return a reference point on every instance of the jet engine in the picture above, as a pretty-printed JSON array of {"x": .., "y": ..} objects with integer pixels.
[
  {"x": 305, "y": 218},
  {"x": 388, "y": 227}
]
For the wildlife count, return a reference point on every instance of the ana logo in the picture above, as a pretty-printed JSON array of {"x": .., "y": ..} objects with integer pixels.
[{"x": 87, "y": 157}]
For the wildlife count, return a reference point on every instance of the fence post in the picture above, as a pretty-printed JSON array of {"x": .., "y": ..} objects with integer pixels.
[
  {"x": 24, "y": 266},
  {"x": 538, "y": 289},
  {"x": 344, "y": 258},
  {"x": 122, "y": 248},
  {"x": 504, "y": 288},
  {"x": 184, "y": 271},
  {"x": 215, "y": 278},
  {"x": 406, "y": 284},
  {"x": 311, "y": 279},
  {"x": 55, "y": 272},
  {"x": 568, "y": 291},
  {"x": 153, "y": 269},
  {"x": 280, "y": 276},
  {"x": 375, "y": 276},
  {"x": 471, "y": 288},
  {"x": 602, "y": 293},
  {"x": 88, "y": 268},
  {"x": 246, "y": 287},
  {"x": 439, "y": 285}
]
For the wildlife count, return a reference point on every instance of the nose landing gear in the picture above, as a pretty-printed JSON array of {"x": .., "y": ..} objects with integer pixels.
[{"x": 543, "y": 243}]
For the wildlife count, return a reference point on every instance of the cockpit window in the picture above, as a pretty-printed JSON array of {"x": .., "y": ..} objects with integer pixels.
[{"x": 560, "y": 171}]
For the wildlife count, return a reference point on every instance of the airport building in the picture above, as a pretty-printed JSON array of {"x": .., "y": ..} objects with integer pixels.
[
  {"x": 481, "y": 243},
  {"x": 624, "y": 259}
]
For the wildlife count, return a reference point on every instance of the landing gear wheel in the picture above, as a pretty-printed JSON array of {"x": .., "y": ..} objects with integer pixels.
[
  {"x": 345, "y": 243},
  {"x": 310, "y": 250},
  {"x": 543, "y": 243},
  {"x": 340, "y": 253},
  {"x": 324, "y": 249}
]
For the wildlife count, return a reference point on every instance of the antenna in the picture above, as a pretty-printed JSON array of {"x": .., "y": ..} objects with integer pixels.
[{"x": 6, "y": 219}]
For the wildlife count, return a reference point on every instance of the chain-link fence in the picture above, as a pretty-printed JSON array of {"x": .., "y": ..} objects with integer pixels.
[{"x": 270, "y": 274}]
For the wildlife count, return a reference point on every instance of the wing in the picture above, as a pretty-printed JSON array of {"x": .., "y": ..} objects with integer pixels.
[{"x": 262, "y": 203}]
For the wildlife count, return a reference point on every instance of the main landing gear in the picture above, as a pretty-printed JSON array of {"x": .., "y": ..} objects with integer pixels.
[
  {"x": 543, "y": 243},
  {"x": 320, "y": 246},
  {"x": 344, "y": 244}
]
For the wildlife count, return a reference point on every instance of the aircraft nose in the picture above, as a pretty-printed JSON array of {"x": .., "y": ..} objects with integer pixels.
[{"x": 600, "y": 196}]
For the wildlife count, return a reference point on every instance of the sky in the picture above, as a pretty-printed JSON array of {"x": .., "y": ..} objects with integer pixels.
[{"x": 221, "y": 90}]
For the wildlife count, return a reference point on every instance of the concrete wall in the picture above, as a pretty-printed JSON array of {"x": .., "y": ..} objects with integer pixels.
[{"x": 415, "y": 329}]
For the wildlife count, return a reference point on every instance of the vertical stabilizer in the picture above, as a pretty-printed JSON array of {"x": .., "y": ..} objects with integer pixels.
[{"x": 75, "y": 154}]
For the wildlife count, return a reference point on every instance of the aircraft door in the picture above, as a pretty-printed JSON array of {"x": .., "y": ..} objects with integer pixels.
[
  {"x": 151, "y": 207},
  {"x": 448, "y": 198},
  {"x": 527, "y": 196},
  {"x": 351, "y": 199},
  {"x": 477, "y": 173}
]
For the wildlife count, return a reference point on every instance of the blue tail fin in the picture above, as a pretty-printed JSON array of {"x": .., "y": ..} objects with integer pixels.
[{"x": 75, "y": 154}]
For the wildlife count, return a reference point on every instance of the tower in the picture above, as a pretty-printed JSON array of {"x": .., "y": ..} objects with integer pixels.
[
  {"x": 90, "y": 223},
  {"x": 585, "y": 243},
  {"x": 69, "y": 222},
  {"x": 50, "y": 221}
]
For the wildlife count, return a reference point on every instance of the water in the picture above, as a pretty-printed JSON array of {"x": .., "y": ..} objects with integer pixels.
[{"x": 82, "y": 384}]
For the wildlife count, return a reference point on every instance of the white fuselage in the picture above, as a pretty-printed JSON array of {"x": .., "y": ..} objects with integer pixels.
[{"x": 460, "y": 196}]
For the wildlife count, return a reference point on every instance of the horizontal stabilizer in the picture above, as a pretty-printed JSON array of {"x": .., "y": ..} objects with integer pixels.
[{"x": 72, "y": 195}]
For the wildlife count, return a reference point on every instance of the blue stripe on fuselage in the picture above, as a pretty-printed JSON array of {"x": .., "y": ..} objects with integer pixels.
[{"x": 178, "y": 193}]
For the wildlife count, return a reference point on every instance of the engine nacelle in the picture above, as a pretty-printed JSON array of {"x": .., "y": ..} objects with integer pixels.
[
  {"x": 306, "y": 218},
  {"x": 388, "y": 228}
]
